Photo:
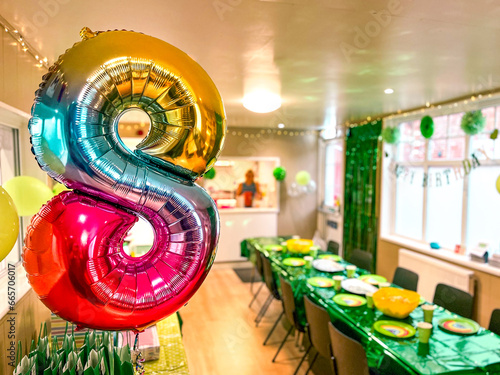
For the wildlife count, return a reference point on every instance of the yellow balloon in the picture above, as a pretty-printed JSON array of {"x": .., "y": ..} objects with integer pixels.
[
  {"x": 28, "y": 194},
  {"x": 59, "y": 188},
  {"x": 9, "y": 224},
  {"x": 498, "y": 184}
]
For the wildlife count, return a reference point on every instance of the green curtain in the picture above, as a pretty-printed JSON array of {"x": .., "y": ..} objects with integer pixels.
[{"x": 360, "y": 216}]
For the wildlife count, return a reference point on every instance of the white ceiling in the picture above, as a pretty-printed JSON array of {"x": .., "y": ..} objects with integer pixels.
[{"x": 428, "y": 51}]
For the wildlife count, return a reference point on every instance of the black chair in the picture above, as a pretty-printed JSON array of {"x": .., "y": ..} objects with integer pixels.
[
  {"x": 317, "y": 328},
  {"x": 271, "y": 285},
  {"x": 495, "y": 322},
  {"x": 333, "y": 247},
  {"x": 405, "y": 279},
  {"x": 362, "y": 259},
  {"x": 290, "y": 311},
  {"x": 350, "y": 356},
  {"x": 454, "y": 300},
  {"x": 259, "y": 268}
]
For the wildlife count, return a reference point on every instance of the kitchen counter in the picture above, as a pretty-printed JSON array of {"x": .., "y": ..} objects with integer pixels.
[{"x": 239, "y": 223}]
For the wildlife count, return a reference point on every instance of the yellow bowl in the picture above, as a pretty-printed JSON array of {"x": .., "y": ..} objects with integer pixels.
[
  {"x": 299, "y": 245},
  {"x": 394, "y": 302}
]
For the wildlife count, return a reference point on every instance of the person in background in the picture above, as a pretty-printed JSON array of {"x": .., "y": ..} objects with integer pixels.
[{"x": 250, "y": 189}]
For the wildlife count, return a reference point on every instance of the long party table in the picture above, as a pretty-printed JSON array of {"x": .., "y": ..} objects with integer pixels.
[{"x": 446, "y": 353}]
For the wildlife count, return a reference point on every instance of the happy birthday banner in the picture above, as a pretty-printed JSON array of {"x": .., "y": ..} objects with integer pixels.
[{"x": 437, "y": 179}]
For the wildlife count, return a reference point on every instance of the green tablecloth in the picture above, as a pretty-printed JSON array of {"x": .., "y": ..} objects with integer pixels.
[{"x": 446, "y": 353}]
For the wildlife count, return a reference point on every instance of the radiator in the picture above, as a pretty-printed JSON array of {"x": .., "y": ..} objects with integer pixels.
[{"x": 432, "y": 271}]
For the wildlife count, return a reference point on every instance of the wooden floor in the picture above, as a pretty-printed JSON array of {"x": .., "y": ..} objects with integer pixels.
[{"x": 220, "y": 336}]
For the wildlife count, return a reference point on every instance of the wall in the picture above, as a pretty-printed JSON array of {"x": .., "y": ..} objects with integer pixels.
[
  {"x": 31, "y": 313},
  {"x": 19, "y": 78},
  {"x": 487, "y": 297},
  {"x": 297, "y": 215}
]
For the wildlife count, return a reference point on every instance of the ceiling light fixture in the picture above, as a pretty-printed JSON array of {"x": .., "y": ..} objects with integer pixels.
[
  {"x": 389, "y": 91},
  {"x": 262, "y": 101},
  {"x": 281, "y": 125}
]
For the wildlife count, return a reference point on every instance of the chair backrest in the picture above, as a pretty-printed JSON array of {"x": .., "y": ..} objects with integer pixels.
[
  {"x": 269, "y": 278},
  {"x": 350, "y": 356},
  {"x": 258, "y": 263},
  {"x": 495, "y": 322},
  {"x": 333, "y": 247},
  {"x": 288, "y": 302},
  {"x": 454, "y": 300},
  {"x": 362, "y": 259},
  {"x": 317, "y": 320},
  {"x": 405, "y": 279}
]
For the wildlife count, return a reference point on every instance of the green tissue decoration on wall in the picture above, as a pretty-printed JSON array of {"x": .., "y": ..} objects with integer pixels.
[
  {"x": 391, "y": 135},
  {"x": 473, "y": 122},
  {"x": 210, "y": 174},
  {"x": 427, "y": 126}
]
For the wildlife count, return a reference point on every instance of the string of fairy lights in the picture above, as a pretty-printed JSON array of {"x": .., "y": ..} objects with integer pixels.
[
  {"x": 23, "y": 43},
  {"x": 428, "y": 106},
  {"x": 274, "y": 132}
]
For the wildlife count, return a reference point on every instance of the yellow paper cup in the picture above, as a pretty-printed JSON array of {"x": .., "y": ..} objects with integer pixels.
[
  {"x": 351, "y": 271},
  {"x": 424, "y": 332},
  {"x": 428, "y": 312},
  {"x": 337, "y": 282}
]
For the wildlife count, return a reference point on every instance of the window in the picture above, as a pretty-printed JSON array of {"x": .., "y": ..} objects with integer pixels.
[
  {"x": 334, "y": 176},
  {"x": 434, "y": 190},
  {"x": 9, "y": 167}
]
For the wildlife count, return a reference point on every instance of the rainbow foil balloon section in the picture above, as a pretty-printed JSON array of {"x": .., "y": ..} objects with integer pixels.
[{"x": 73, "y": 251}]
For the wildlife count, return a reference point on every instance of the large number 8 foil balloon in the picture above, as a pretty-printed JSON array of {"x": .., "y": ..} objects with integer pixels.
[{"x": 73, "y": 250}]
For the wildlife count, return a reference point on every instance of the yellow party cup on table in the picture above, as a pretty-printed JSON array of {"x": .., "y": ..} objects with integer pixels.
[
  {"x": 369, "y": 300},
  {"x": 428, "y": 312},
  {"x": 337, "y": 282},
  {"x": 424, "y": 332},
  {"x": 309, "y": 261},
  {"x": 313, "y": 251},
  {"x": 350, "y": 271}
]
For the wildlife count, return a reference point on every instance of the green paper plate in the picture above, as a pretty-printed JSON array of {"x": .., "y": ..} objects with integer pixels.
[
  {"x": 333, "y": 257},
  {"x": 294, "y": 262},
  {"x": 395, "y": 329},
  {"x": 349, "y": 300},
  {"x": 320, "y": 282},
  {"x": 373, "y": 279},
  {"x": 459, "y": 326},
  {"x": 273, "y": 247}
]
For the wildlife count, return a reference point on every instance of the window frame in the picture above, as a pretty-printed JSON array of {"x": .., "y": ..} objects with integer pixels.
[
  {"x": 17, "y": 172},
  {"x": 323, "y": 145},
  {"x": 388, "y": 210}
]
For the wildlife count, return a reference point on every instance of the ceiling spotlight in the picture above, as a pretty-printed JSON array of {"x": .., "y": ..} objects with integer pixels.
[
  {"x": 281, "y": 125},
  {"x": 261, "y": 101},
  {"x": 388, "y": 91}
]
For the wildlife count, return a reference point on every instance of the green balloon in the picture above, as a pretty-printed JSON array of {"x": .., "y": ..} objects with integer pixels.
[
  {"x": 28, "y": 194},
  {"x": 302, "y": 178},
  {"x": 279, "y": 173},
  {"x": 427, "y": 126},
  {"x": 391, "y": 135},
  {"x": 210, "y": 174}
]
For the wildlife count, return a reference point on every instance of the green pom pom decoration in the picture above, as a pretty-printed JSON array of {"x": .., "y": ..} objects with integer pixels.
[
  {"x": 279, "y": 173},
  {"x": 427, "y": 126},
  {"x": 210, "y": 174},
  {"x": 391, "y": 135},
  {"x": 473, "y": 122}
]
